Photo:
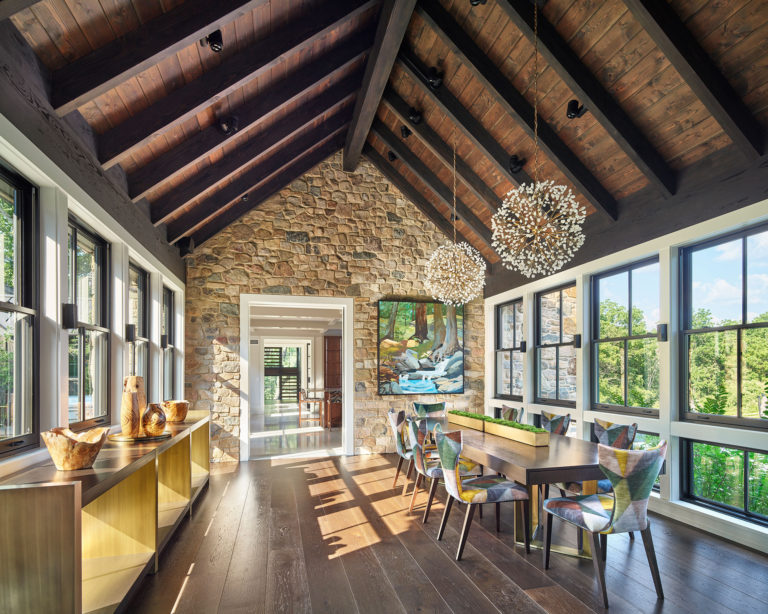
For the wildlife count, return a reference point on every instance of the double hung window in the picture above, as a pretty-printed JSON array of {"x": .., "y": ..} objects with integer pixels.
[
  {"x": 167, "y": 335},
  {"x": 510, "y": 346},
  {"x": 138, "y": 311},
  {"x": 555, "y": 353}
]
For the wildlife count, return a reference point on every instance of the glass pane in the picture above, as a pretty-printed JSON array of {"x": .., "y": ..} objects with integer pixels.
[
  {"x": 518, "y": 323},
  {"x": 754, "y": 373},
  {"x": 88, "y": 257},
  {"x": 643, "y": 373},
  {"x": 74, "y": 378},
  {"x": 291, "y": 358},
  {"x": 716, "y": 285},
  {"x": 137, "y": 301},
  {"x": 567, "y": 372},
  {"x": 569, "y": 314},
  {"x": 506, "y": 326},
  {"x": 139, "y": 364},
  {"x": 718, "y": 474},
  {"x": 10, "y": 232},
  {"x": 549, "y": 318},
  {"x": 610, "y": 373},
  {"x": 757, "y": 277},
  {"x": 758, "y": 483},
  {"x": 547, "y": 370},
  {"x": 645, "y": 441},
  {"x": 70, "y": 264},
  {"x": 16, "y": 349},
  {"x": 517, "y": 373},
  {"x": 95, "y": 376},
  {"x": 168, "y": 368},
  {"x": 645, "y": 299},
  {"x": 613, "y": 294},
  {"x": 165, "y": 320},
  {"x": 503, "y": 373},
  {"x": 712, "y": 373}
]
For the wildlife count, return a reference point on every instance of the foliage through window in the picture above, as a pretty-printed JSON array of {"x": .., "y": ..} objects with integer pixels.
[
  {"x": 168, "y": 335},
  {"x": 725, "y": 322},
  {"x": 625, "y": 316},
  {"x": 555, "y": 354},
  {"x": 509, "y": 350},
  {"x": 138, "y": 312},
  {"x": 644, "y": 441}
]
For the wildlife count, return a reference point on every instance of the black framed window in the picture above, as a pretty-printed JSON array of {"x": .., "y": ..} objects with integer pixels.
[
  {"x": 89, "y": 361},
  {"x": 168, "y": 341},
  {"x": 625, "y": 314},
  {"x": 725, "y": 329},
  {"x": 510, "y": 346},
  {"x": 643, "y": 441},
  {"x": 727, "y": 478},
  {"x": 138, "y": 312},
  {"x": 555, "y": 351},
  {"x": 19, "y": 415}
]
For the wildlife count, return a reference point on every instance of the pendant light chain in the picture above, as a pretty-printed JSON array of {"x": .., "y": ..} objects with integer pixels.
[
  {"x": 454, "y": 191},
  {"x": 535, "y": 92}
]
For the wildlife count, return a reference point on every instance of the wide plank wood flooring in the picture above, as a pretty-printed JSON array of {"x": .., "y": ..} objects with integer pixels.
[{"x": 331, "y": 535}]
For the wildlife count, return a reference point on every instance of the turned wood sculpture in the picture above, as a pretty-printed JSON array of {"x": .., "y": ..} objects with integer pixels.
[
  {"x": 153, "y": 420},
  {"x": 175, "y": 411},
  {"x": 133, "y": 405},
  {"x": 71, "y": 451}
]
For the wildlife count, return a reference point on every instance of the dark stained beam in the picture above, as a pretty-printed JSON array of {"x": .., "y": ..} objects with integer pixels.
[
  {"x": 103, "y": 69},
  {"x": 252, "y": 179},
  {"x": 205, "y": 142},
  {"x": 393, "y": 20},
  {"x": 413, "y": 195},
  {"x": 442, "y": 150},
  {"x": 470, "y": 127},
  {"x": 591, "y": 93},
  {"x": 432, "y": 181},
  {"x": 237, "y": 70},
  {"x": 700, "y": 74},
  {"x": 515, "y": 104},
  {"x": 258, "y": 145},
  {"x": 11, "y": 7},
  {"x": 269, "y": 188}
]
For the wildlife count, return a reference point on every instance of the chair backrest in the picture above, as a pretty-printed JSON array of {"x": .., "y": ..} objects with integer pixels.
[
  {"x": 417, "y": 434},
  {"x": 302, "y": 394},
  {"x": 615, "y": 435},
  {"x": 555, "y": 423},
  {"x": 396, "y": 421},
  {"x": 449, "y": 449},
  {"x": 428, "y": 409},
  {"x": 632, "y": 474},
  {"x": 510, "y": 413}
]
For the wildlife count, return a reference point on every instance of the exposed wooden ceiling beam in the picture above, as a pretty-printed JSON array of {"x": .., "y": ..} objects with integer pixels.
[
  {"x": 273, "y": 185},
  {"x": 258, "y": 145},
  {"x": 412, "y": 194},
  {"x": 393, "y": 20},
  {"x": 254, "y": 177},
  {"x": 700, "y": 74},
  {"x": 205, "y": 142},
  {"x": 515, "y": 104},
  {"x": 234, "y": 72},
  {"x": 11, "y": 7},
  {"x": 106, "y": 67},
  {"x": 441, "y": 150},
  {"x": 591, "y": 93},
  {"x": 432, "y": 181},
  {"x": 470, "y": 127}
]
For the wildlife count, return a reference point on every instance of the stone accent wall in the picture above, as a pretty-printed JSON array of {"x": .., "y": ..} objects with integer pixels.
[{"x": 329, "y": 233}]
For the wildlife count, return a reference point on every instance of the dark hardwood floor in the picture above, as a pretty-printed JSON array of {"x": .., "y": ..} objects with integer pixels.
[{"x": 331, "y": 535}]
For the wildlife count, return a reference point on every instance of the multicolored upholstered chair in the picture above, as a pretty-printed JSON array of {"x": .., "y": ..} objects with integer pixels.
[
  {"x": 427, "y": 463},
  {"x": 429, "y": 409},
  {"x": 555, "y": 423},
  {"x": 475, "y": 491},
  {"x": 510, "y": 413},
  {"x": 632, "y": 474},
  {"x": 396, "y": 423}
]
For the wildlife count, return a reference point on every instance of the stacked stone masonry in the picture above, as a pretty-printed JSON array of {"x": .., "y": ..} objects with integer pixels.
[{"x": 329, "y": 233}]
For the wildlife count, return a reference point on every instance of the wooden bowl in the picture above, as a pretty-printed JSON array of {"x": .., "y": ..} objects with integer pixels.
[
  {"x": 175, "y": 411},
  {"x": 71, "y": 451}
]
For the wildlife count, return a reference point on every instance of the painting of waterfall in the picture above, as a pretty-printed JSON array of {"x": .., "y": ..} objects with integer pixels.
[{"x": 421, "y": 348}]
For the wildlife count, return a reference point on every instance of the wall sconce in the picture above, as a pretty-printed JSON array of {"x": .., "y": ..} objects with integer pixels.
[
  {"x": 523, "y": 347},
  {"x": 130, "y": 333},
  {"x": 163, "y": 341},
  {"x": 577, "y": 341},
  {"x": 661, "y": 332},
  {"x": 68, "y": 315}
]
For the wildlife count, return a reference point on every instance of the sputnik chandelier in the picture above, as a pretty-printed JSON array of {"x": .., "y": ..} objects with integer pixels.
[
  {"x": 537, "y": 229},
  {"x": 456, "y": 271}
]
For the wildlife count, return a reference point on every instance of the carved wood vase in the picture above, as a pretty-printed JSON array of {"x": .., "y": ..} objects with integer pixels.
[
  {"x": 153, "y": 420},
  {"x": 133, "y": 406}
]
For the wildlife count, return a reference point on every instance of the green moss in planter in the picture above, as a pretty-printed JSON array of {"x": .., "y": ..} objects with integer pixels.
[
  {"x": 468, "y": 414},
  {"x": 516, "y": 425}
]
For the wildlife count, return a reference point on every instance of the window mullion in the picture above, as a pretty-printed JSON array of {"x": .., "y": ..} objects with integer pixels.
[
  {"x": 626, "y": 371},
  {"x": 746, "y": 482}
]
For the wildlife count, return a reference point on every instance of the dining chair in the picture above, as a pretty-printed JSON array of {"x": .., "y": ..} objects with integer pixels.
[
  {"x": 309, "y": 401},
  {"x": 632, "y": 474},
  {"x": 475, "y": 491},
  {"x": 557, "y": 424},
  {"x": 396, "y": 423},
  {"x": 429, "y": 409},
  {"x": 427, "y": 462},
  {"x": 511, "y": 413}
]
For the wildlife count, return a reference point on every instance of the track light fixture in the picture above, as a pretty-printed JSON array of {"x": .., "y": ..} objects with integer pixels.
[
  {"x": 477, "y": 2},
  {"x": 434, "y": 78},
  {"x": 186, "y": 246},
  {"x": 575, "y": 109},
  {"x": 516, "y": 163},
  {"x": 405, "y": 132},
  {"x": 391, "y": 156},
  {"x": 214, "y": 40},
  {"x": 455, "y": 218},
  {"x": 244, "y": 197},
  {"x": 229, "y": 125},
  {"x": 414, "y": 115}
]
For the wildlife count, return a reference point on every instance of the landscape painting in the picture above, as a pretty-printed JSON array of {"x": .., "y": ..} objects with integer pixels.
[{"x": 421, "y": 348}]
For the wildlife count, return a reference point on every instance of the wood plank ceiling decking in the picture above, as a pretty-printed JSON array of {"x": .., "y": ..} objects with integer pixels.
[{"x": 665, "y": 85}]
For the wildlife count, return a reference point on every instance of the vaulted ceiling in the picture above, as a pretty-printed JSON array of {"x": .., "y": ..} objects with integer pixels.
[{"x": 204, "y": 136}]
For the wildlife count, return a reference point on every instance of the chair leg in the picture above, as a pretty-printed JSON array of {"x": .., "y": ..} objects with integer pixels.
[
  {"x": 465, "y": 530},
  {"x": 432, "y": 491},
  {"x": 597, "y": 560},
  {"x": 579, "y": 539},
  {"x": 408, "y": 476},
  {"x": 631, "y": 536},
  {"x": 526, "y": 505},
  {"x": 481, "y": 510},
  {"x": 415, "y": 490},
  {"x": 547, "y": 538},
  {"x": 604, "y": 546},
  {"x": 444, "y": 521},
  {"x": 651, "y": 554},
  {"x": 498, "y": 518},
  {"x": 397, "y": 472}
]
